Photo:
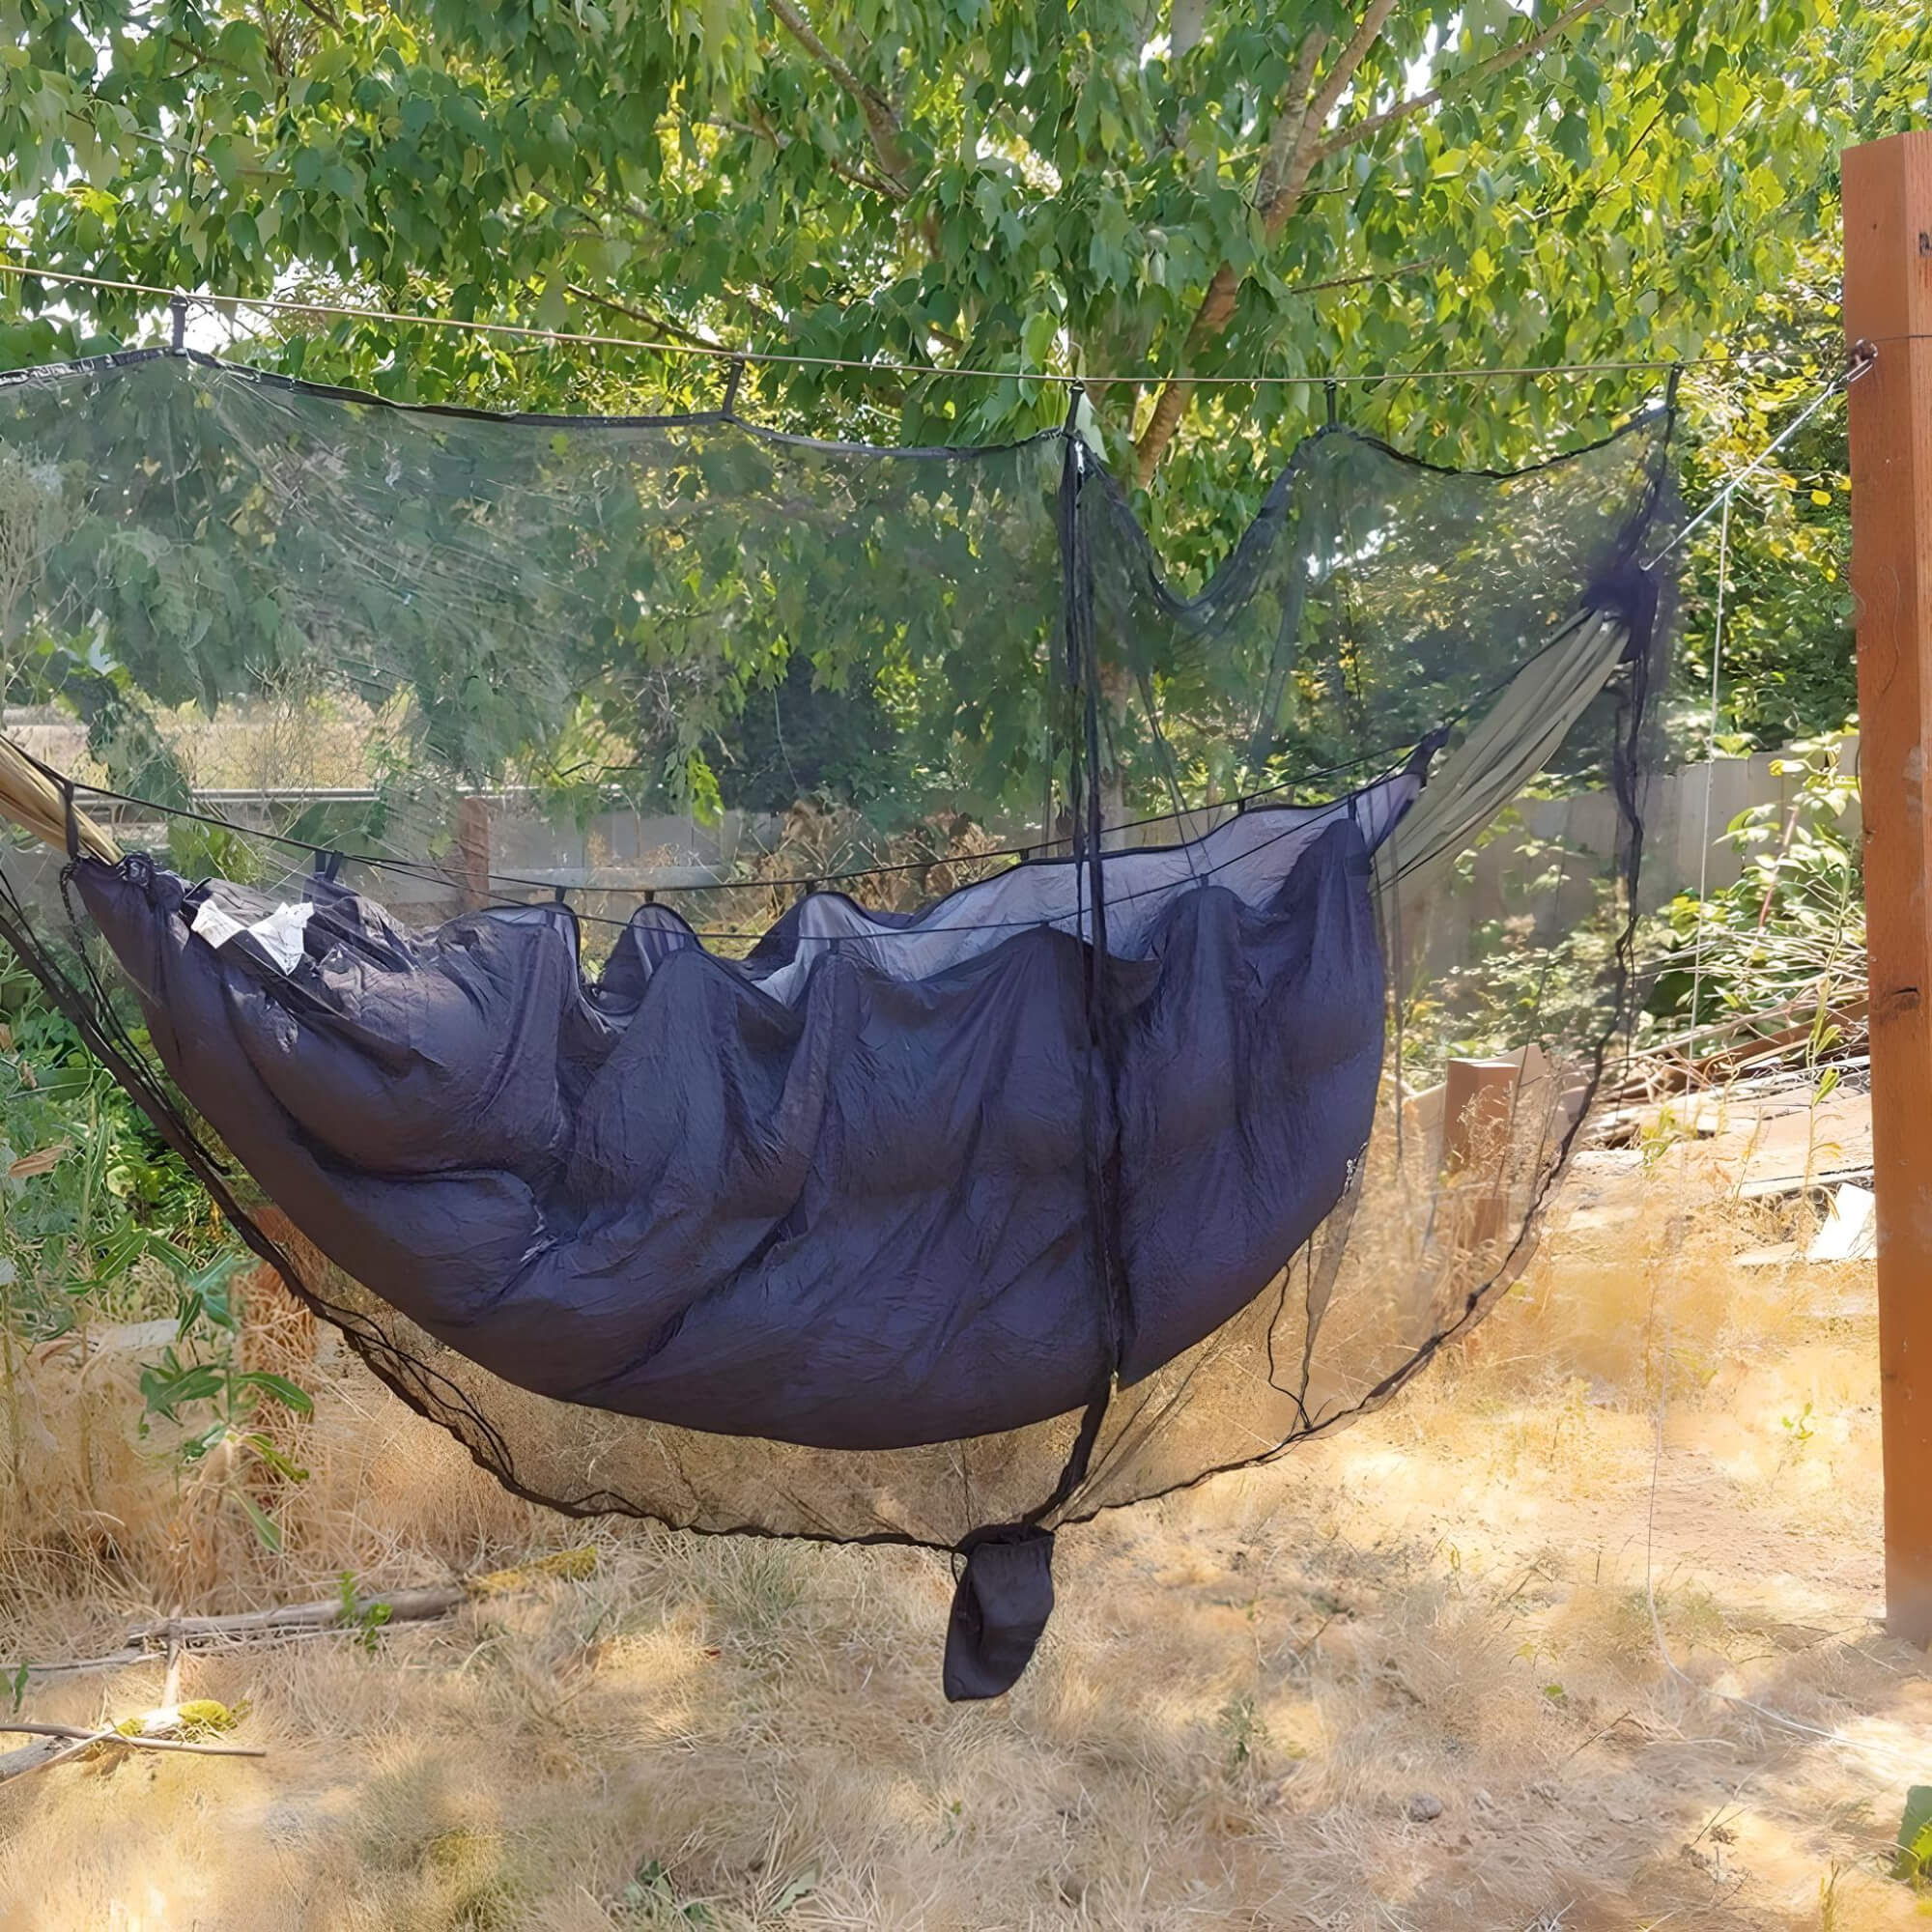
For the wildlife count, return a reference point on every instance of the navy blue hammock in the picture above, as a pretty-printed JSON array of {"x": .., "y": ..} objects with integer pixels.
[{"x": 1021, "y": 1093}]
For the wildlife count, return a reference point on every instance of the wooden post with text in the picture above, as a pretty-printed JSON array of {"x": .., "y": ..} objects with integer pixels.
[{"x": 1888, "y": 215}]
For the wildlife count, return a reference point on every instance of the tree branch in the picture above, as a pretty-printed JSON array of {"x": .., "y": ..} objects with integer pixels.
[
  {"x": 63, "y": 1742},
  {"x": 882, "y": 121},
  {"x": 1335, "y": 84},
  {"x": 1298, "y": 146},
  {"x": 859, "y": 177},
  {"x": 781, "y": 325},
  {"x": 662, "y": 324},
  {"x": 1284, "y": 174},
  {"x": 1424, "y": 265},
  {"x": 1359, "y": 131}
]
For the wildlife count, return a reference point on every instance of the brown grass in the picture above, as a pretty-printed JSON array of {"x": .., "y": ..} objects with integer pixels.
[{"x": 1244, "y": 1700}]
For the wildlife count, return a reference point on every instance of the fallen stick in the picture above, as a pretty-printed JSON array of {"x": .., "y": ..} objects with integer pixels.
[
  {"x": 330, "y": 1616},
  {"x": 67, "y": 1666},
  {"x": 402, "y": 1606},
  {"x": 35, "y": 1758},
  {"x": 208, "y": 1646},
  {"x": 62, "y": 1742},
  {"x": 133, "y": 1740}
]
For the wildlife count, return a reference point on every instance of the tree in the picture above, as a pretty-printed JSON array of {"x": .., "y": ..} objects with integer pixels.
[{"x": 1106, "y": 189}]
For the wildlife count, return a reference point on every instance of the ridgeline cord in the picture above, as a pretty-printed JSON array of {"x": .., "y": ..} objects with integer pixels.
[
  {"x": 1859, "y": 362},
  {"x": 722, "y": 351}
]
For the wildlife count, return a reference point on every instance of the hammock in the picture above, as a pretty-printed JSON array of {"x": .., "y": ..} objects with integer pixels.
[{"x": 1065, "y": 1158}]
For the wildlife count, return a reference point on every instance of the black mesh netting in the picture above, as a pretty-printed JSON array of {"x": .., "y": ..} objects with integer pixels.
[{"x": 784, "y": 986}]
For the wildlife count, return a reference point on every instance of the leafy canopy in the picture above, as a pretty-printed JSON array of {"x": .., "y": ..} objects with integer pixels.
[{"x": 1108, "y": 187}]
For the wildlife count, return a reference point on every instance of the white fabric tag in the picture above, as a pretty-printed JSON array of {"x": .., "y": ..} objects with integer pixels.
[
  {"x": 215, "y": 926},
  {"x": 281, "y": 934}
]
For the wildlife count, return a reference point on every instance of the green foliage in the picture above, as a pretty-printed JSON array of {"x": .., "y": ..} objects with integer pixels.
[
  {"x": 652, "y": 1898},
  {"x": 1915, "y": 1836},
  {"x": 666, "y": 596},
  {"x": 987, "y": 186},
  {"x": 366, "y": 1620},
  {"x": 1788, "y": 938},
  {"x": 800, "y": 740},
  {"x": 199, "y": 1371},
  {"x": 990, "y": 186},
  {"x": 96, "y": 1213},
  {"x": 1245, "y": 1731},
  {"x": 1536, "y": 971},
  {"x": 99, "y": 1220},
  {"x": 1788, "y": 662}
]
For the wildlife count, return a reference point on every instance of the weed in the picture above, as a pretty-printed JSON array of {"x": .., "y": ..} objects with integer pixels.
[
  {"x": 365, "y": 1619},
  {"x": 652, "y": 1899},
  {"x": 1245, "y": 1730}
]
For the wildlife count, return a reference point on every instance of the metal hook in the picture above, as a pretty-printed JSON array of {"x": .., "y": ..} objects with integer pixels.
[
  {"x": 178, "y": 313},
  {"x": 1333, "y": 390},
  {"x": 734, "y": 375}
]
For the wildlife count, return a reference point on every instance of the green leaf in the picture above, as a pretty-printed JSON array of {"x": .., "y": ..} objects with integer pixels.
[
  {"x": 282, "y": 1465},
  {"x": 286, "y": 1392},
  {"x": 267, "y": 1532},
  {"x": 1915, "y": 1836},
  {"x": 552, "y": 310},
  {"x": 797, "y": 1890}
]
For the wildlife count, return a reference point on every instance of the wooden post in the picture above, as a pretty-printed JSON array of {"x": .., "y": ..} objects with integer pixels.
[
  {"x": 1888, "y": 215},
  {"x": 1477, "y": 1095},
  {"x": 473, "y": 851}
]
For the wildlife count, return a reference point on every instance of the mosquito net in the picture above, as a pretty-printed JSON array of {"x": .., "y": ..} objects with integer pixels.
[{"x": 791, "y": 988}]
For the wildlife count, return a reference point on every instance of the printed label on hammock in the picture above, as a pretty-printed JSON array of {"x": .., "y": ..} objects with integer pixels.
[
  {"x": 215, "y": 926},
  {"x": 281, "y": 935},
  {"x": 280, "y": 932}
]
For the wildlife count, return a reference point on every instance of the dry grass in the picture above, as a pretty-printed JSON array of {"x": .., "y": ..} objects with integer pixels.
[{"x": 1245, "y": 1695}]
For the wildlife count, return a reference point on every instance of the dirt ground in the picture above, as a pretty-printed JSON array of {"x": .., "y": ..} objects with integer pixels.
[{"x": 1582, "y": 1634}]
